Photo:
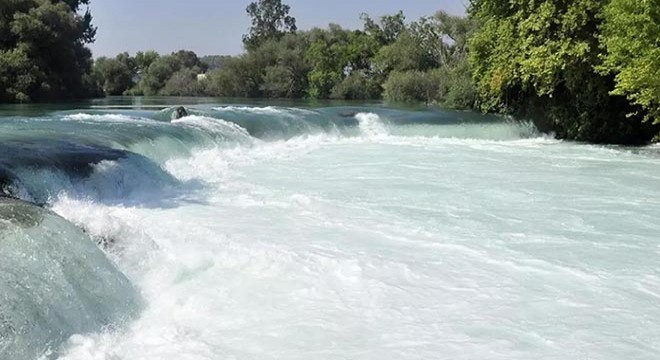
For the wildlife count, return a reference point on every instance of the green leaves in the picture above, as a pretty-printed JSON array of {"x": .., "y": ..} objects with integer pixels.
[
  {"x": 174, "y": 74},
  {"x": 557, "y": 56},
  {"x": 631, "y": 37},
  {"x": 18, "y": 75},
  {"x": 113, "y": 75},
  {"x": 31, "y": 32},
  {"x": 270, "y": 20}
]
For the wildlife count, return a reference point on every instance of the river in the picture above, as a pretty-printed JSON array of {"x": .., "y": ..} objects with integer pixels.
[{"x": 255, "y": 231}]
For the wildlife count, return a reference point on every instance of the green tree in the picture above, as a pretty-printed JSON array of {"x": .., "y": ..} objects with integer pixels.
[
  {"x": 184, "y": 83},
  {"x": 458, "y": 30},
  {"x": 31, "y": 33},
  {"x": 411, "y": 86},
  {"x": 405, "y": 54},
  {"x": 270, "y": 20},
  {"x": 539, "y": 58},
  {"x": 457, "y": 89},
  {"x": 329, "y": 58},
  {"x": 287, "y": 70},
  {"x": 336, "y": 53},
  {"x": 240, "y": 76},
  {"x": 631, "y": 38},
  {"x": 214, "y": 61},
  {"x": 188, "y": 59},
  {"x": 114, "y": 76},
  {"x": 162, "y": 69},
  {"x": 144, "y": 59},
  {"x": 358, "y": 85},
  {"x": 387, "y": 30},
  {"x": 158, "y": 73}
]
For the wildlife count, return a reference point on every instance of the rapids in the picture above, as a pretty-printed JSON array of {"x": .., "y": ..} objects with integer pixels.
[{"x": 273, "y": 232}]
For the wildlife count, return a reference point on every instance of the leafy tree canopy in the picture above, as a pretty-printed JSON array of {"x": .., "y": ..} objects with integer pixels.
[
  {"x": 631, "y": 38},
  {"x": 541, "y": 57},
  {"x": 270, "y": 20},
  {"x": 31, "y": 31}
]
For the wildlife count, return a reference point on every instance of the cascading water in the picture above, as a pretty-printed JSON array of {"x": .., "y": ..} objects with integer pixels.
[
  {"x": 54, "y": 283},
  {"x": 324, "y": 233}
]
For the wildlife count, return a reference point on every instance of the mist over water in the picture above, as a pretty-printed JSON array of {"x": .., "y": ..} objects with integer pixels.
[{"x": 264, "y": 232}]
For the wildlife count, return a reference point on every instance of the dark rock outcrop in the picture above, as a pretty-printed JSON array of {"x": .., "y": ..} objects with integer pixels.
[{"x": 179, "y": 113}]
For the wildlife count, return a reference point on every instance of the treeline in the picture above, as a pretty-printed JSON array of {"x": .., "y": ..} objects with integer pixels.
[
  {"x": 425, "y": 60},
  {"x": 586, "y": 69},
  {"x": 148, "y": 73},
  {"x": 42, "y": 50}
]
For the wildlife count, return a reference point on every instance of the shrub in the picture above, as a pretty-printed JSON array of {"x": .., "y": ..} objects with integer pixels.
[
  {"x": 183, "y": 83},
  {"x": 357, "y": 86},
  {"x": 410, "y": 86},
  {"x": 457, "y": 89}
]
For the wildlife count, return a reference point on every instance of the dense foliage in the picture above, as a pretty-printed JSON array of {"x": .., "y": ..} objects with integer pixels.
[
  {"x": 585, "y": 69},
  {"x": 556, "y": 60},
  {"x": 631, "y": 38},
  {"x": 42, "y": 50},
  {"x": 270, "y": 20},
  {"x": 148, "y": 73},
  {"x": 347, "y": 64}
]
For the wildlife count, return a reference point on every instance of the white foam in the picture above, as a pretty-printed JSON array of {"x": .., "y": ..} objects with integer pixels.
[
  {"x": 390, "y": 247},
  {"x": 371, "y": 125},
  {"x": 214, "y": 125},
  {"x": 108, "y": 118},
  {"x": 267, "y": 110}
]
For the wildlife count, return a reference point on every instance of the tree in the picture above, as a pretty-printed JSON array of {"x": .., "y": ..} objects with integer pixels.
[
  {"x": 162, "y": 69},
  {"x": 405, "y": 54},
  {"x": 144, "y": 59},
  {"x": 539, "y": 58},
  {"x": 358, "y": 85},
  {"x": 328, "y": 56},
  {"x": 188, "y": 59},
  {"x": 458, "y": 30},
  {"x": 387, "y": 30},
  {"x": 114, "y": 76},
  {"x": 183, "y": 83},
  {"x": 228, "y": 81},
  {"x": 287, "y": 70},
  {"x": 631, "y": 38},
  {"x": 31, "y": 32},
  {"x": 214, "y": 61},
  {"x": 270, "y": 20},
  {"x": 411, "y": 86},
  {"x": 334, "y": 55},
  {"x": 240, "y": 76}
]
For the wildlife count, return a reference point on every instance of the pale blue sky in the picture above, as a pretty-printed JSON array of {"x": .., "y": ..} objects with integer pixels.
[{"x": 211, "y": 27}]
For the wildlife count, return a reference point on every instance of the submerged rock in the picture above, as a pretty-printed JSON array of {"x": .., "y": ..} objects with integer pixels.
[
  {"x": 5, "y": 181},
  {"x": 74, "y": 159},
  {"x": 20, "y": 213},
  {"x": 348, "y": 114},
  {"x": 179, "y": 113},
  {"x": 27, "y": 167},
  {"x": 54, "y": 282}
]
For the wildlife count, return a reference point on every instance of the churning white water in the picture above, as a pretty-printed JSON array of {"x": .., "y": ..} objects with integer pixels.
[{"x": 395, "y": 243}]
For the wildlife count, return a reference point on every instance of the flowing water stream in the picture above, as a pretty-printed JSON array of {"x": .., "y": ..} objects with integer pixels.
[{"x": 264, "y": 232}]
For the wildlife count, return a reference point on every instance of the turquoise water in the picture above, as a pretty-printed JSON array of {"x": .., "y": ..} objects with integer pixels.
[{"x": 293, "y": 231}]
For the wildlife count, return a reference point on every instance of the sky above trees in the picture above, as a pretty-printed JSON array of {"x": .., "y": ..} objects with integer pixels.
[{"x": 211, "y": 27}]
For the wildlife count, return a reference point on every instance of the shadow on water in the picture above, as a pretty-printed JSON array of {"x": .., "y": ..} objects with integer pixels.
[
  {"x": 111, "y": 150},
  {"x": 40, "y": 170}
]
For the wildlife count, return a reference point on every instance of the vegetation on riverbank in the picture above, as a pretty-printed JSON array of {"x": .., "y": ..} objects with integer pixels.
[
  {"x": 42, "y": 50},
  {"x": 586, "y": 69},
  {"x": 384, "y": 59}
]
